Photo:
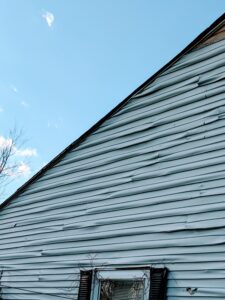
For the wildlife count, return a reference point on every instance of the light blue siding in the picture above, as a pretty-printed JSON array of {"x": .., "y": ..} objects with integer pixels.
[{"x": 146, "y": 188}]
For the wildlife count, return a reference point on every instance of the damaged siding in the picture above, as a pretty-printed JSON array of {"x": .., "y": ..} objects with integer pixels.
[{"x": 147, "y": 188}]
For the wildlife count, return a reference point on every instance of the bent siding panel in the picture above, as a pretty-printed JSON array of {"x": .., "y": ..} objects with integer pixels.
[{"x": 146, "y": 188}]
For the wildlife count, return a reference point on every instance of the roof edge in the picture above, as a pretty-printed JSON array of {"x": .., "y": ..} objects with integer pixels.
[{"x": 202, "y": 36}]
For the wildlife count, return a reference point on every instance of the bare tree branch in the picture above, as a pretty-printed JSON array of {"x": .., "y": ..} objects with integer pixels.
[{"x": 9, "y": 162}]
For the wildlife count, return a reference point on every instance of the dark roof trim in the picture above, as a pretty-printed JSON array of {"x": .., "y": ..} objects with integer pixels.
[{"x": 203, "y": 36}]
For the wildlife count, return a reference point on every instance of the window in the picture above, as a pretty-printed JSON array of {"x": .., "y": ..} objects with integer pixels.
[{"x": 123, "y": 284}]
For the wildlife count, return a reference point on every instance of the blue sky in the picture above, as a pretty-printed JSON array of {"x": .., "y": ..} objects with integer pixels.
[{"x": 66, "y": 63}]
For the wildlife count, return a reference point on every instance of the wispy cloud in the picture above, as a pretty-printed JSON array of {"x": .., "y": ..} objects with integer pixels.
[
  {"x": 1, "y": 109},
  {"x": 14, "y": 88},
  {"x": 49, "y": 18},
  {"x": 56, "y": 123},
  {"x": 24, "y": 103},
  {"x": 53, "y": 125},
  {"x": 21, "y": 169}
]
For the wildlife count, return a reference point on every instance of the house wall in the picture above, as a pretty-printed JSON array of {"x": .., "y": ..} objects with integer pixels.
[{"x": 147, "y": 188}]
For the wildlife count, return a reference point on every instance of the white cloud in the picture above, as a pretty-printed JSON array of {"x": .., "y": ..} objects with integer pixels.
[
  {"x": 15, "y": 166},
  {"x": 27, "y": 152},
  {"x": 5, "y": 143},
  {"x": 49, "y": 18}
]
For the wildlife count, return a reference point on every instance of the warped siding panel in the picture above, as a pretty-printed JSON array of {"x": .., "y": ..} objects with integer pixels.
[
  {"x": 146, "y": 188},
  {"x": 75, "y": 224},
  {"x": 122, "y": 237},
  {"x": 203, "y": 168},
  {"x": 213, "y": 196},
  {"x": 194, "y": 56}
]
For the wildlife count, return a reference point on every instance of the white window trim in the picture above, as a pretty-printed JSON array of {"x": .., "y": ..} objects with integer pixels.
[{"x": 120, "y": 275}]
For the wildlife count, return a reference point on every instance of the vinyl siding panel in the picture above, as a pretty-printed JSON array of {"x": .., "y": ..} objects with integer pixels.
[{"x": 146, "y": 188}]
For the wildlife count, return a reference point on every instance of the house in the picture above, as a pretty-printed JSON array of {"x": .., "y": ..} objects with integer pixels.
[{"x": 135, "y": 208}]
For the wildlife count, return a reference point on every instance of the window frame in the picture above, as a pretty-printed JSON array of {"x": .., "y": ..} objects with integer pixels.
[{"x": 120, "y": 274}]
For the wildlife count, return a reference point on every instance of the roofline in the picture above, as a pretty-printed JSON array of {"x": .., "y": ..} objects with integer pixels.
[{"x": 202, "y": 36}]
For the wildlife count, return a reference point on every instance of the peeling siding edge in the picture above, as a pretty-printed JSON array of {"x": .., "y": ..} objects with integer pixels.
[{"x": 216, "y": 25}]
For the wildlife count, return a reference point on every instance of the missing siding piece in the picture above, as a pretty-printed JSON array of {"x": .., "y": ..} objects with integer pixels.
[
  {"x": 191, "y": 291},
  {"x": 217, "y": 36}
]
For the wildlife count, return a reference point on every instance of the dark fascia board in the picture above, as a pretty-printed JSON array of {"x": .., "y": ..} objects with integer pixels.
[{"x": 200, "y": 38}]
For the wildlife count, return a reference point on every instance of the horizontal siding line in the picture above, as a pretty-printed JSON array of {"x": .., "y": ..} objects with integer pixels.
[
  {"x": 182, "y": 138},
  {"x": 187, "y": 61},
  {"x": 211, "y": 50},
  {"x": 186, "y": 108},
  {"x": 69, "y": 281},
  {"x": 155, "y": 159},
  {"x": 160, "y": 99},
  {"x": 100, "y": 188},
  {"x": 57, "y": 217},
  {"x": 180, "y": 168},
  {"x": 141, "y": 233},
  {"x": 207, "y": 138},
  {"x": 153, "y": 185},
  {"x": 106, "y": 196},
  {"x": 89, "y": 209},
  {"x": 166, "y": 227},
  {"x": 171, "y": 284},
  {"x": 188, "y": 72},
  {"x": 193, "y": 109},
  {"x": 62, "y": 267},
  {"x": 202, "y": 51},
  {"x": 211, "y": 136},
  {"x": 74, "y": 226},
  {"x": 115, "y": 258},
  {"x": 213, "y": 76},
  {"x": 73, "y": 274},
  {"x": 165, "y": 102}
]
